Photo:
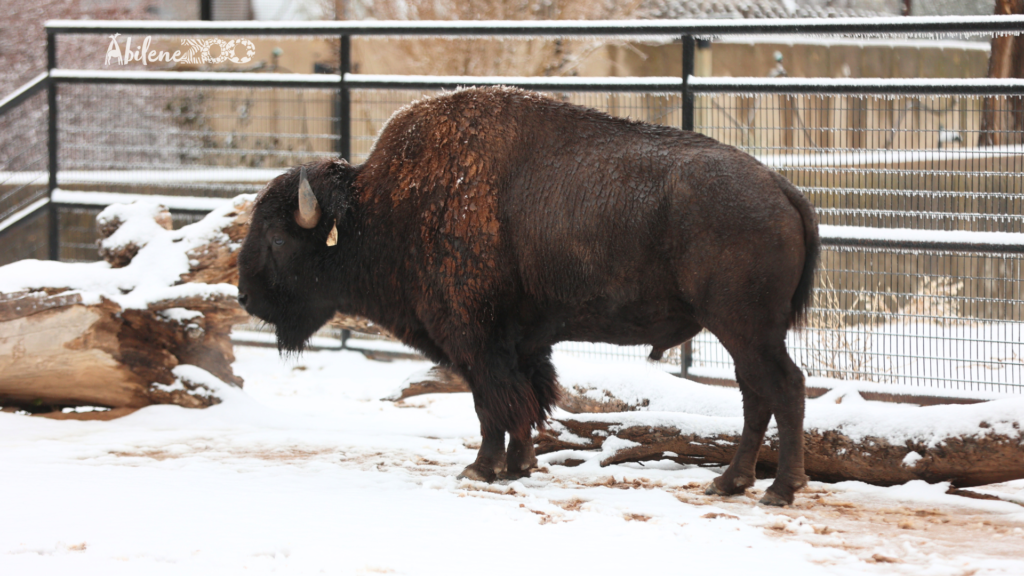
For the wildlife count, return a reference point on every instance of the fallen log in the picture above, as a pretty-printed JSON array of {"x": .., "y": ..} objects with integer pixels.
[
  {"x": 971, "y": 459},
  {"x": 846, "y": 438},
  {"x": 575, "y": 399},
  {"x": 122, "y": 337},
  {"x": 152, "y": 328}
]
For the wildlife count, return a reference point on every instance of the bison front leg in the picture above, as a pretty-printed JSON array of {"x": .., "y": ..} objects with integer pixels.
[
  {"x": 535, "y": 364},
  {"x": 507, "y": 400},
  {"x": 490, "y": 460}
]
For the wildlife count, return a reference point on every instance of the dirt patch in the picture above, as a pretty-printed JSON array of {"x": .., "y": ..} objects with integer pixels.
[
  {"x": 571, "y": 505},
  {"x": 631, "y": 517},
  {"x": 888, "y": 533},
  {"x": 713, "y": 515},
  {"x": 283, "y": 455}
]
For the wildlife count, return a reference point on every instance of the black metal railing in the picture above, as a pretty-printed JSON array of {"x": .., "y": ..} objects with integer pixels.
[{"x": 937, "y": 308}]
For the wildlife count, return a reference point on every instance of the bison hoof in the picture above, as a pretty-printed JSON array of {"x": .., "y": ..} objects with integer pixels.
[
  {"x": 479, "y": 473},
  {"x": 739, "y": 486},
  {"x": 517, "y": 474},
  {"x": 772, "y": 499}
]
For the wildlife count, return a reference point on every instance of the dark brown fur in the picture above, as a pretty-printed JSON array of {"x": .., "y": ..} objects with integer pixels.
[{"x": 489, "y": 224}]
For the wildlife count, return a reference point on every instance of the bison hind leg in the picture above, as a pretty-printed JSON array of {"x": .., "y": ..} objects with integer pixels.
[
  {"x": 772, "y": 385},
  {"x": 741, "y": 472}
]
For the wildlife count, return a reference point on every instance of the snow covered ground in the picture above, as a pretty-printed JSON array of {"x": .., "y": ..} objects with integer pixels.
[{"x": 306, "y": 471}]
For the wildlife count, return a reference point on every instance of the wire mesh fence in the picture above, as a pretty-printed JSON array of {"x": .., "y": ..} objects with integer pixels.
[
  {"x": 934, "y": 319},
  {"x": 23, "y": 177},
  {"x": 918, "y": 162},
  {"x": 930, "y": 319},
  {"x": 372, "y": 108},
  {"x": 188, "y": 141}
]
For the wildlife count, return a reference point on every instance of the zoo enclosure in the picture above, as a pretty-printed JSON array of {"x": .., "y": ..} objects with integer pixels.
[{"x": 923, "y": 226}]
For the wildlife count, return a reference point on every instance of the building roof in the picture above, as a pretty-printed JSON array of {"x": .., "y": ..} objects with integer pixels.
[{"x": 767, "y": 8}]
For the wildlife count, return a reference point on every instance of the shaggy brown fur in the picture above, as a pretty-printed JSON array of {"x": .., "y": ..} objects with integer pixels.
[{"x": 489, "y": 224}]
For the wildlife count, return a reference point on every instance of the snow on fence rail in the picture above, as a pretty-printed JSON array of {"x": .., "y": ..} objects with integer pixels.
[
  {"x": 916, "y": 26},
  {"x": 651, "y": 84}
]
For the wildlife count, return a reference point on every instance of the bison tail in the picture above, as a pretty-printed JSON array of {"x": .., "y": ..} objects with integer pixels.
[{"x": 812, "y": 247}]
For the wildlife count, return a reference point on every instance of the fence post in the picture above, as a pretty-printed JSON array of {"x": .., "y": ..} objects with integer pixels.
[
  {"x": 689, "y": 54},
  {"x": 51, "y": 145},
  {"x": 344, "y": 105},
  {"x": 685, "y": 358}
]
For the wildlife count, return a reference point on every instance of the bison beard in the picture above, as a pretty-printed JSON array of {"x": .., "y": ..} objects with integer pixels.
[{"x": 489, "y": 224}]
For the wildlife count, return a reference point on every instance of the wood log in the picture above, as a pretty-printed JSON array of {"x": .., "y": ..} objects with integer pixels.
[
  {"x": 436, "y": 380},
  {"x": 59, "y": 349},
  {"x": 830, "y": 456},
  {"x": 358, "y": 324},
  {"x": 441, "y": 380},
  {"x": 120, "y": 254},
  {"x": 56, "y": 351}
]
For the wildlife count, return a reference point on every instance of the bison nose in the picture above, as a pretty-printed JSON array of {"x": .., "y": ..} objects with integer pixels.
[{"x": 243, "y": 298}]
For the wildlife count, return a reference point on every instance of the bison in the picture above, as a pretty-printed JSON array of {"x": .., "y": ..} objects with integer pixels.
[{"x": 488, "y": 224}]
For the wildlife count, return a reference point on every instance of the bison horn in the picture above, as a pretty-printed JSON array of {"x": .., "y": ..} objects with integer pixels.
[
  {"x": 308, "y": 213},
  {"x": 332, "y": 238}
]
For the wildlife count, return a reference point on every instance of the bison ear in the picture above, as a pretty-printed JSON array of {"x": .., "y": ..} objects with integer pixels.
[
  {"x": 308, "y": 214},
  {"x": 332, "y": 238}
]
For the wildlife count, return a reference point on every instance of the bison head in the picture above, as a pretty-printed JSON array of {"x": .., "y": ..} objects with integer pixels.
[{"x": 284, "y": 268}]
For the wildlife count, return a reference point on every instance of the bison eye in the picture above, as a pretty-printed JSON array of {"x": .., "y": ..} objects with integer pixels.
[{"x": 278, "y": 241}]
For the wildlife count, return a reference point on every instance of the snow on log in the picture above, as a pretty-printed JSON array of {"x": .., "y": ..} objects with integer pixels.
[
  {"x": 973, "y": 459},
  {"x": 137, "y": 328},
  {"x": 149, "y": 325},
  {"x": 435, "y": 380},
  {"x": 578, "y": 399},
  {"x": 615, "y": 414},
  {"x": 846, "y": 437}
]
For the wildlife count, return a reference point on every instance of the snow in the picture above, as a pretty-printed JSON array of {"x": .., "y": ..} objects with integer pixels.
[
  {"x": 906, "y": 234},
  {"x": 24, "y": 212},
  {"x": 180, "y": 315},
  {"x": 24, "y": 89},
  {"x": 797, "y": 40},
  {"x": 150, "y": 276},
  {"x": 190, "y": 174},
  {"x": 326, "y": 80},
  {"x": 910, "y": 460},
  {"x": 306, "y": 471},
  {"x": 699, "y": 409},
  {"x": 711, "y": 84},
  {"x": 628, "y": 28},
  {"x": 830, "y": 158},
  {"x": 671, "y": 83},
  {"x": 197, "y": 203},
  {"x": 137, "y": 223}
]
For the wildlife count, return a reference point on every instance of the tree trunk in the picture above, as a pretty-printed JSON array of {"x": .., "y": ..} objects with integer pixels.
[{"x": 1005, "y": 61}]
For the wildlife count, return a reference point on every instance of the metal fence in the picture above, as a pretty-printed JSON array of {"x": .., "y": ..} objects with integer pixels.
[{"x": 918, "y": 183}]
